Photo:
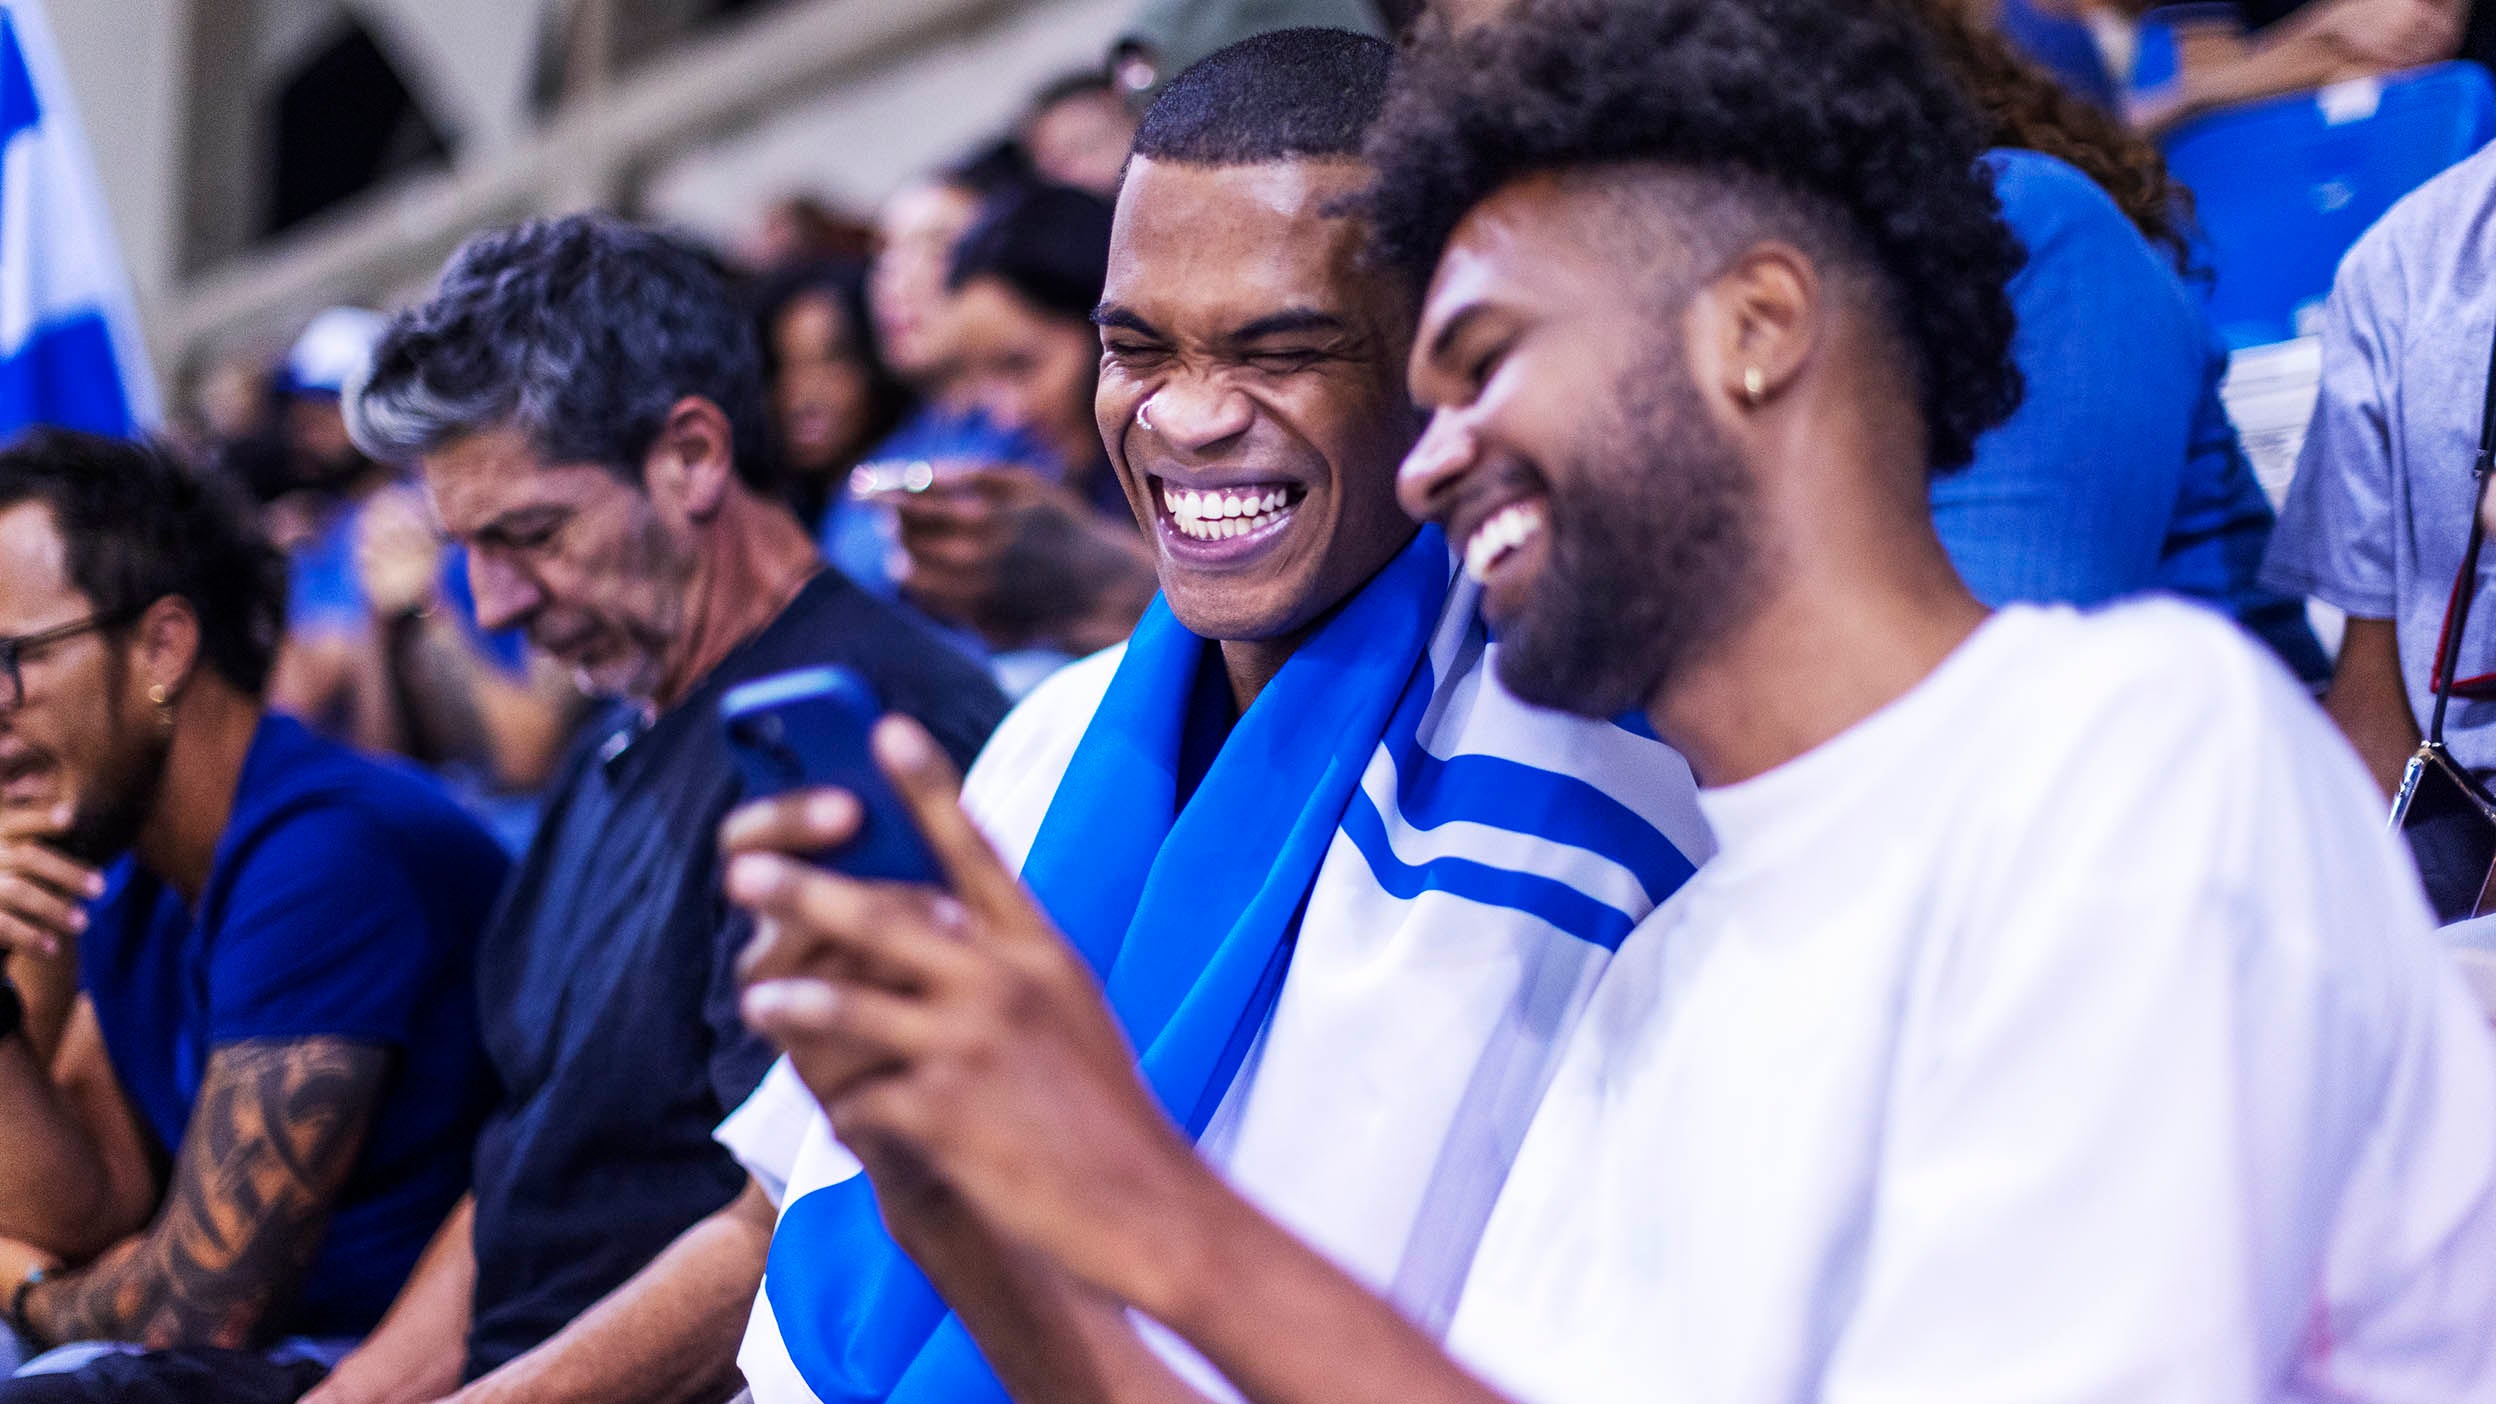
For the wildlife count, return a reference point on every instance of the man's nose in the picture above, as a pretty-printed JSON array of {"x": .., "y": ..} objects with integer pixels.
[
  {"x": 1194, "y": 415},
  {"x": 506, "y": 594},
  {"x": 1447, "y": 451}
]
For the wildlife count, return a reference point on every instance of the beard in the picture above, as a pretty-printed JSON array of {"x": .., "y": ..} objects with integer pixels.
[
  {"x": 126, "y": 790},
  {"x": 1650, "y": 551}
]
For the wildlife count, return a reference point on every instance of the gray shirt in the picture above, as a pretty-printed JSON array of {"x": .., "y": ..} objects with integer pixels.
[{"x": 2379, "y": 513}]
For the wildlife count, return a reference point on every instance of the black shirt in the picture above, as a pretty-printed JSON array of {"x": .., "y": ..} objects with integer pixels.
[{"x": 607, "y": 977}]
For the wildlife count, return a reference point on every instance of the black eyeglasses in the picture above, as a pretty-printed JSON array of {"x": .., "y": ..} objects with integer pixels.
[{"x": 14, "y": 649}]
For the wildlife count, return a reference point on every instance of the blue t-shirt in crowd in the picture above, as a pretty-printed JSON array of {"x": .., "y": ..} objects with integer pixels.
[
  {"x": 344, "y": 901},
  {"x": 2120, "y": 472}
]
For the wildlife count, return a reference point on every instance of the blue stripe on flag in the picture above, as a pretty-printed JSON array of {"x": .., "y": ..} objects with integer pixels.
[
  {"x": 1566, "y": 908},
  {"x": 65, "y": 375},
  {"x": 19, "y": 107},
  {"x": 1518, "y": 798}
]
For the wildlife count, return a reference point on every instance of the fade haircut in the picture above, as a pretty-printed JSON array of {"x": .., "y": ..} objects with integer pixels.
[
  {"x": 1285, "y": 95},
  {"x": 137, "y": 526},
  {"x": 581, "y": 333},
  {"x": 1825, "y": 122}
]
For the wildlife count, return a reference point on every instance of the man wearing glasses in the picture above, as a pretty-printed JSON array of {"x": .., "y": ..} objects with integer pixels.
[{"x": 239, "y": 1065}]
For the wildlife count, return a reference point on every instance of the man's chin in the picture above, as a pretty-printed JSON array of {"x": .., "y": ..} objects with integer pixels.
[{"x": 1583, "y": 677}]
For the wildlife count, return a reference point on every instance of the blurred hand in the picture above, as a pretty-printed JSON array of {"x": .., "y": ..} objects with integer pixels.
[
  {"x": 956, "y": 532},
  {"x": 1022, "y": 560},
  {"x": 960, "y": 1046},
  {"x": 2390, "y": 34},
  {"x": 18, "y": 1262},
  {"x": 398, "y": 553},
  {"x": 43, "y": 892}
]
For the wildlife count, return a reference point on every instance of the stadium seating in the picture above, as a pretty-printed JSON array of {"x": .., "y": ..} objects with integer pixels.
[{"x": 2284, "y": 187}]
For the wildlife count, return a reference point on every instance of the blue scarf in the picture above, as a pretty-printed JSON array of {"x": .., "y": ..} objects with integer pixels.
[{"x": 1187, "y": 916}]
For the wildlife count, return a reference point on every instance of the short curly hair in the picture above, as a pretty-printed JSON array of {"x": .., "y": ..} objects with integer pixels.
[
  {"x": 138, "y": 525},
  {"x": 1838, "y": 107},
  {"x": 580, "y": 332}
]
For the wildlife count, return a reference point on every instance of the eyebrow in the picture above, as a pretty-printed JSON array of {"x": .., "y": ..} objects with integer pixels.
[
  {"x": 1109, "y": 315},
  {"x": 1288, "y": 322},
  {"x": 1452, "y": 329}
]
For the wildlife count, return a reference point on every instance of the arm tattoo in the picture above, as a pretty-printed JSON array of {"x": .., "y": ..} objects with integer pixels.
[{"x": 276, "y": 1130}]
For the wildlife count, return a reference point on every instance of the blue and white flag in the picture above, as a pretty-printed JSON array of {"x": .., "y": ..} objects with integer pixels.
[
  {"x": 69, "y": 350},
  {"x": 1443, "y": 872}
]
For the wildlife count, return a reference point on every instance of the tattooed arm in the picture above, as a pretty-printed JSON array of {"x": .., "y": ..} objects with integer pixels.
[{"x": 276, "y": 1130}]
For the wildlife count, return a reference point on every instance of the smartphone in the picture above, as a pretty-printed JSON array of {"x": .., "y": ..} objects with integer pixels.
[{"x": 808, "y": 729}]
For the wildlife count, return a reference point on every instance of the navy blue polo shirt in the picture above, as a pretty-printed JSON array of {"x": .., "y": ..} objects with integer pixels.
[
  {"x": 609, "y": 978},
  {"x": 344, "y": 901}
]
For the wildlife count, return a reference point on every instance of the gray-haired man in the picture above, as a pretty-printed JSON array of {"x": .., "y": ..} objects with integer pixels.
[{"x": 586, "y": 405}]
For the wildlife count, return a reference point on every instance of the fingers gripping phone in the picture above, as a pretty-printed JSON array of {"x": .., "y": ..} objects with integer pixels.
[{"x": 807, "y": 730}]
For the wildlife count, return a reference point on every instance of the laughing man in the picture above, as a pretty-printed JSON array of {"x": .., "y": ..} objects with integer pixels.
[{"x": 1345, "y": 893}]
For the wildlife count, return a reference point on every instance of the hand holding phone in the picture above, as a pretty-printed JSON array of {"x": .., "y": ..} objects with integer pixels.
[{"x": 808, "y": 729}]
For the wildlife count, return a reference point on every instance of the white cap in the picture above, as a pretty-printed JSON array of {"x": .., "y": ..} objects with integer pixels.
[{"x": 333, "y": 351}]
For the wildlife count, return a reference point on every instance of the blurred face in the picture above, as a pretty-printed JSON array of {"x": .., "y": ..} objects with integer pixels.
[
  {"x": 84, "y": 736},
  {"x": 1082, "y": 141},
  {"x": 1251, "y": 391},
  {"x": 1027, "y": 369},
  {"x": 919, "y": 228},
  {"x": 1572, "y": 457},
  {"x": 569, "y": 552},
  {"x": 316, "y": 434},
  {"x": 820, "y": 395}
]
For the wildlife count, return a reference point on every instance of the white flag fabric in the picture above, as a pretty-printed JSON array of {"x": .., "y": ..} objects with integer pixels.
[{"x": 69, "y": 350}]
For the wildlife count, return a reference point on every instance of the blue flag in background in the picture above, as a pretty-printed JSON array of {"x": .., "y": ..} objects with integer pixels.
[{"x": 69, "y": 353}]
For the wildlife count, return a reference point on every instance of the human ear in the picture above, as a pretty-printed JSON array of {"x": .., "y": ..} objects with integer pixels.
[
  {"x": 692, "y": 462},
  {"x": 1758, "y": 324},
  {"x": 165, "y": 646}
]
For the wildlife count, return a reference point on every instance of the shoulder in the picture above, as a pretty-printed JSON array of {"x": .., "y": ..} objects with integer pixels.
[
  {"x": 2049, "y": 203},
  {"x": 915, "y": 670},
  {"x": 2424, "y": 234},
  {"x": 324, "y": 813},
  {"x": 1009, "y": 789}
]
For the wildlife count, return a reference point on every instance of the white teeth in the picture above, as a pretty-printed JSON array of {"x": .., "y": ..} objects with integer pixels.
[
  {"x": 1219, "y": 515},
  {"x": 1511, "y": 528}
]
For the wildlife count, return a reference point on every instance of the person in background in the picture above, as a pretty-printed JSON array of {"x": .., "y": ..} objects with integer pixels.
[
  {"x": 912, "y": 311},
  {"x": 585, "y": 400},
  {"x": 2379, "y": 512},
  {"x": 328, "y": 674},
  {"x": 2239, "y": 51},
  {"x": 1078, "y": 131},
  {"x": 2056, "y": 1021},
  {"x": 2120, "y": 472},
  {"x": 1035, "y": 558},
  {"x": 832, "y": 398},
  {"x": 239, "y": 1059}
]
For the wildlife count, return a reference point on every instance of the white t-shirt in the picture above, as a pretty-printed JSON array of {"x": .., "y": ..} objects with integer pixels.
[
  {"x": 2069, "y": 1030},
  {"x": 1377, "y": 1110}
]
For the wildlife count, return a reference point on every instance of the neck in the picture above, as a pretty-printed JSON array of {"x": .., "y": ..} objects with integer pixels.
[
  {"x": 754, "y": 559},
  {"x": 1858, "y": 605},
  {"x": 1252, "y": 663},
  {"x": 213, "y": 727}
]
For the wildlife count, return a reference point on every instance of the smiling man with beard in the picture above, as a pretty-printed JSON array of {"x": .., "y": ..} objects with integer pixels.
[
  {"x": 239, "y": 1065},
  {"x": 1345, "y": 892},
  {"x": 2056, "y": 1022}
]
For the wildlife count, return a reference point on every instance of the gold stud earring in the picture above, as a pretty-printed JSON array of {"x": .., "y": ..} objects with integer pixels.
[
  {"x": 158, "y": 695},
  {"x": 1754, "y": 384}
]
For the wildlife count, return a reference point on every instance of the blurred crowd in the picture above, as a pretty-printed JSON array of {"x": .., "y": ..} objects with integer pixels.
[{"x": 1525, "y": 741}]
